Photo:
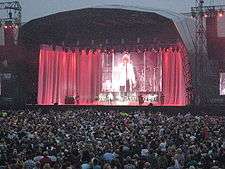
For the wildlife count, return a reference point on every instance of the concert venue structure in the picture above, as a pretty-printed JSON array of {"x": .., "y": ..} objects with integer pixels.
[{"x": 112, "y": 55}]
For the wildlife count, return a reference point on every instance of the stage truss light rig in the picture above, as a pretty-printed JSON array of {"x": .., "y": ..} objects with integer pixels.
[{"x": 13, "y": 10}]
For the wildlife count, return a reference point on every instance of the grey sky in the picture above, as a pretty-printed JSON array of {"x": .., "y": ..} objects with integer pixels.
[{"x": 37, "y": 8}]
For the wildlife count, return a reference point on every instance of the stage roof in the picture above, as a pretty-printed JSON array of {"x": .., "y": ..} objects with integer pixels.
[{"x": 112, "y": 22}]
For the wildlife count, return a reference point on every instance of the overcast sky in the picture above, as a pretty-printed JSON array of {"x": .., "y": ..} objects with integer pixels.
[{"x": 37, "y": 8}]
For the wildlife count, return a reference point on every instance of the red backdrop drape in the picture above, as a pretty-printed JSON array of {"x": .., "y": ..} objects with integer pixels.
[
  {"x": 68, "y": 73},
  {"x": 174, "y": 88}
]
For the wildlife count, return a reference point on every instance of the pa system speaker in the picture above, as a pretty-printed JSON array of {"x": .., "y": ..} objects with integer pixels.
[{"x": 69, "y": 100}]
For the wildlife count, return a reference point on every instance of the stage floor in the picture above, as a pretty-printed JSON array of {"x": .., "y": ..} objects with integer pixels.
[{"x": 117, "y": 103}]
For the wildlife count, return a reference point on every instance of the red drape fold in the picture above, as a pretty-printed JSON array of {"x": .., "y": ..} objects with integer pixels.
[
  {"x": 173, "y": 78},
  {"x": 57, "y": 75}
]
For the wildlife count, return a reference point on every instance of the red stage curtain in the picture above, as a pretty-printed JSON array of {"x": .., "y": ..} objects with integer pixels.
[
  {"x": 57, "y": 75},
  {"x": 89, "y": 75},
  {"x": 66, "y": 73},
  {"x": 154, "y": 61},
  {"x": 173, "y": 78}
]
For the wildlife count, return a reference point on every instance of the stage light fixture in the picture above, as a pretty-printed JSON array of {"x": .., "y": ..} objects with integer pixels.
[
  {"x": 87, "y": 51},
  {"x": 138, "y": 40},
  {"x": 206, "y": 15},
  {"x": 122, "y": 41},
  {"x": 8, "y": 24},
  {"x": 220, "y": 13},
  {"x": 78, "y": 43},
  {"x": 94, "y": 50}
]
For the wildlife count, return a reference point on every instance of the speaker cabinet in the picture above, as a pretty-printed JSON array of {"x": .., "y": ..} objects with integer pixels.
[{"x": 69, "y": 100}]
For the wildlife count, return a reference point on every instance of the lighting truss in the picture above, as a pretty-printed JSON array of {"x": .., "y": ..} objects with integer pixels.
[
  {"x": 14, "y": 9},
  {"x": 212, "y": 11}
]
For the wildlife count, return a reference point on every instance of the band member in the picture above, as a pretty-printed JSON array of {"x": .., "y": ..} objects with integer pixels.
[
  {"x": 222, "y": 84},
  {"x": 162, "y": 99},
  {"x": 77, "y": 99},
  {"x": 126, "y": 74},
  {"x": 110, "y": 98},
  {"x": 140, "y": 99}
]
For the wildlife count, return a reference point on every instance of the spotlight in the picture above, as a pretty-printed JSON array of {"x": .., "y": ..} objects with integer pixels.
[
  {"x": 206, "y": 15},
  {"x": 220, "y": 13},
  {"x": 8, "y": 24}
]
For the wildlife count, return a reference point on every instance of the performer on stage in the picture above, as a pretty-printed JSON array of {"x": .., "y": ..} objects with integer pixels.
[
  {"x": 110, "y": 98},
  {"x": 140, "y": 99},
  {"x": 126, "y": 74},
  {"x": 77, "y": 99},
  {"x": 222, "y": 84}
]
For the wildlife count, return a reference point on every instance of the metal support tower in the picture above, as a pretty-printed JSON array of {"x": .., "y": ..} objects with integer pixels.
[
  {"x": 202, "y": 91},
  {"x": 200, "y": 53},
  {"x": 13, "y": 10}
]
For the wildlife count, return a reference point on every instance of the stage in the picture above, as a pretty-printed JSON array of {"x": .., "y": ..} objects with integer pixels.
[
  {"x": 111, "y": 77},
  {"x": 95, "y": 58}
]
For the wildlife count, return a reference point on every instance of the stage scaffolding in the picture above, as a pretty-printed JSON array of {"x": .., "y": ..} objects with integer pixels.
[
  {"x": 203, "y": 87},
  {"x": 13, "y": 11}
]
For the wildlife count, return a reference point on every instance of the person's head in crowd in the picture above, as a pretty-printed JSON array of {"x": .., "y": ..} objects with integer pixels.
[
  {"x": 192, "y": 167},
  {"x": 107, "y": 166},
  {"x": 95, "y": 164},
  {"x": 47, "y": 166},
  {"x": 147, "y": 165}
]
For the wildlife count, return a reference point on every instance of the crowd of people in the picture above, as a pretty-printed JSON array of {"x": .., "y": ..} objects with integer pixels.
[{"x": 93, "y": 139}]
